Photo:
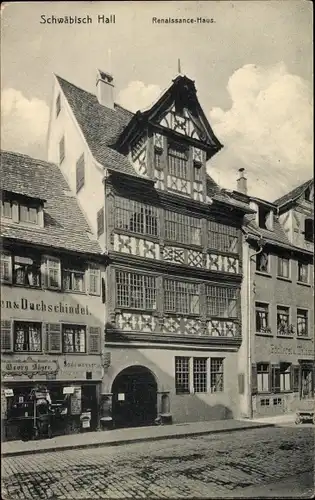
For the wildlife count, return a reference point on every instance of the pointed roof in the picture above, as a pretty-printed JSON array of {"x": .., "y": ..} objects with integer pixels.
[
  {"x": 100, "y": 125},
  {"x": 182, "y": 89},
  {"x": 65, "y": 226},
  {"x": 293, "y": 195}
]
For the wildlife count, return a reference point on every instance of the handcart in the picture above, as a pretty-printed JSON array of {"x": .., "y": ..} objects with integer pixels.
[{"x": 306, "y": 411}]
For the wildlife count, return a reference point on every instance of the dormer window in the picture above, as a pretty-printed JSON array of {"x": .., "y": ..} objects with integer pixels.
[
  {"x": 6, "y": 209},
  {"x": 28, "y": 214},
  {"x": 265, "y": 218},
  {"x": 309, "y": 230},
  {"x": 17, "y": 208}
]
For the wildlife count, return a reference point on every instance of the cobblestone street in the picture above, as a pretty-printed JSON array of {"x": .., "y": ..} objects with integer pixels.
[{"x": 201, "y": 467}]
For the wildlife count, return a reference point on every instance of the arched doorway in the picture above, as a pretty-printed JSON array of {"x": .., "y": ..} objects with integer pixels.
[{"x": 134, "y": 397}]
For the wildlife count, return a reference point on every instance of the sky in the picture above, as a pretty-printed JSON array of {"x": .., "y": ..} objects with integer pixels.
[{"x": 252, "y": 67}]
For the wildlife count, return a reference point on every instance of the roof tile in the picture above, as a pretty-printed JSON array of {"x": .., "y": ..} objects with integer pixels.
[{"x": 64, "y": 224}]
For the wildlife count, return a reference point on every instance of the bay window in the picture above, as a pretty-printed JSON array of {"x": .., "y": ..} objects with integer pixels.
[
  {"x": 222, "y": 301},
  {"x": 181, "y": 297},
  {"x": 135, "y": 291}
]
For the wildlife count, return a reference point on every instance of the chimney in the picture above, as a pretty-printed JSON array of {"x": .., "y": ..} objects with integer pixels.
[
  {"x": 242, "y": 182},
  {"x": 105, "y": 89}
]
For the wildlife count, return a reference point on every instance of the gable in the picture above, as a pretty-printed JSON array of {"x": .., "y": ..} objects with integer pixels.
[
  {"x": 184, "y": 124},
  {"x": 177, "y": 110}
]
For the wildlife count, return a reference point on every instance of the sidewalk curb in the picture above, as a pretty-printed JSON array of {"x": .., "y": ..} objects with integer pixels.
[{"x": 132, "y": 440}]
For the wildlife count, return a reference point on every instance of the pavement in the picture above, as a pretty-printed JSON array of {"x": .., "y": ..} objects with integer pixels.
[
  {"x": 130, "y": 435},
  {"x": 264, "y": 462}
]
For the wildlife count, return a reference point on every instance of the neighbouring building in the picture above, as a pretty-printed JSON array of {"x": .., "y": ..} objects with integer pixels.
[
  {"x": 277, "y": 299},
  {"x": 174, "y": 246},
  {"x": 52, "y": 306}
]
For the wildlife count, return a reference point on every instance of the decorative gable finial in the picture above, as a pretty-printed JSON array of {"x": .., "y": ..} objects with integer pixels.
[{"x": 179, "y": 67}]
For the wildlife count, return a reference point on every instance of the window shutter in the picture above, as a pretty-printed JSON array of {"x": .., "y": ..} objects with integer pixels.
[
  {"x": 6, "y": 336},
  {"x": 295, "y": 378},
  {"x": 43, "y": 273},
  {"x": 53, "y": 331},
  {"x": 94, "y": 343},
  {"x": 94, "y": 280},
  {"x": 275, "y": 378},
  {"x": 254, "y": 378}
]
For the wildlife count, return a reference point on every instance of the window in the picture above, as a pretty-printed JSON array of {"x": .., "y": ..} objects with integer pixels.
[
  {"x": 302, "y": 272},
  {"x": 135, "y": 290},
  {"x": 263, "y": 374},
  {"x": 200, "y": 374},
  {"x": 263, "y": 216},
  {"x": 262, "y": 318},
  {"x": 80, "y": 167},
  {"x": 100, "y": 221},
  {"x": 216, "y": 374},
  {"x": 58, "y": 105},
  {"x": 302, "y": 323},
  {"x": 6, "y": 209},
  {"x": 53, "y": 272},
  {"x": 283, "y": 267},
  {"x": 94, "y": 280},
  {"x": 283, "y": 321},
  {"x": 309, "y": 230},
  {"x": 26, "y": 271},
  {"x": 182, "y": 228},
  {"x": 27, "y": 337},
  {"x": 181, "y": 297},
  {"x": 192, "y": 374},
  {"x": 74, "y": 338},
  {"x": 136, "y": 217},
  {"x": 182, "y": 385},
  {"x": 222, "y": 237},
  {"x": 285, "y": 377},
  {"x": 28, "y": 214},
  {"x": 222, "y": 301},
  {"x": 262, "y": 262},
  {"x": 277, "y": 401},
  {"x": 158, "y": 160},
  {"x": 62, "y": 149},
  {"x": 73, "y": 280},
  {"x": 265, "y": 402},
  {"x": 177, "y": 163},
  {"x": 6, "y": 268}
]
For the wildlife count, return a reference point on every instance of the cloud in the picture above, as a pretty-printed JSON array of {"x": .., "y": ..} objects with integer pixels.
[
  {"x": 138, "y": 96},
  {"x": 24, "y": 123},
  {"x": 268, "y": 130}
]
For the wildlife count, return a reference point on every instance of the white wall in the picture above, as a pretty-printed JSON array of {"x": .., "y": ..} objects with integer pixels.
[{"x": 91, "y": 195}]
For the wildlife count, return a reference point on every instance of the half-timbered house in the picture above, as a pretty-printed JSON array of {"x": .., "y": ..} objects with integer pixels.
[{"x": 174, "y": 248}]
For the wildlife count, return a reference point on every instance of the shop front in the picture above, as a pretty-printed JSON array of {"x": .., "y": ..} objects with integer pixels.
[
  {"x": 282, "y": 376},
  {"x": 51, "y": 343},
  {"x": 72, "y": 386}
]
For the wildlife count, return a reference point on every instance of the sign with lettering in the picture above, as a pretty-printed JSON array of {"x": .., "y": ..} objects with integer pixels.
[
  {"x": 76, "y": 401},
  {"x": 25, "y": 304},
  {"x": 76, "y": 370},
  {"x": 29, "y": 367},
  {"x": 292, "y": 350}
]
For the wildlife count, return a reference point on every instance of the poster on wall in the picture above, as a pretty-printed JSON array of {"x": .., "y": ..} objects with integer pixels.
[{"x": 76, "y": 401}]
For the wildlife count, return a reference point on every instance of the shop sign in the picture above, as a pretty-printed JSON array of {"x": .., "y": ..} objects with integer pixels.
[
  {"x": 77, "y": 370},
  {"x": 24, "y": 304},
  {"x": 298, "y": 351},
  {"x": 8, "y": 392},
  {"x": 29, "y": 367}
]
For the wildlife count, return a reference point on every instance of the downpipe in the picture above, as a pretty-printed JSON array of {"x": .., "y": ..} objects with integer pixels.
[{"x": 249, "y": 330}]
